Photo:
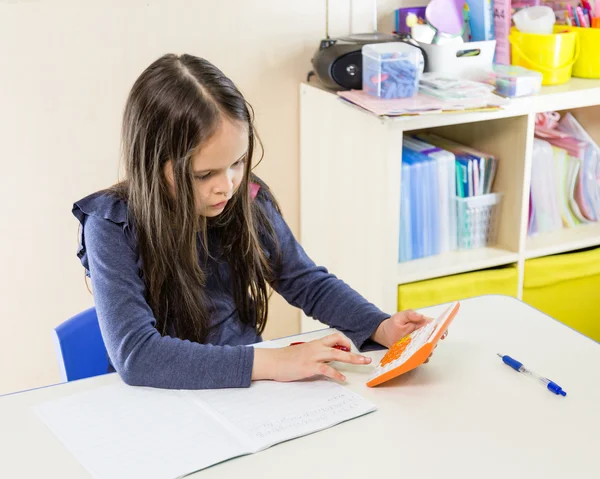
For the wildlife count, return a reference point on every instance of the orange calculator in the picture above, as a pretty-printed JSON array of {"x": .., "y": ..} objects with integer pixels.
[{"x": 412, "y": 350}]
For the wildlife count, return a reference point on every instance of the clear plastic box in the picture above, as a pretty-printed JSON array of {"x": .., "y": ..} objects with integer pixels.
[
  {"x": 515, "y": 81},
  {"x": 478, "y": 220},
  {"x": 391, "y": 70}
]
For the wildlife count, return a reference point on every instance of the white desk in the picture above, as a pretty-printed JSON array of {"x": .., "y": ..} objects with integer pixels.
[{"x": 463, "y": 415}]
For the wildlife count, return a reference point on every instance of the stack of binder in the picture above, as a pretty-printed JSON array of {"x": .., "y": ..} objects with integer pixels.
[
  {"x": 565, "y": 178},
  {"x": 419, "y": 225},
  {"x": 443, "y": 186},
  {"x": 475, "y": 170}
]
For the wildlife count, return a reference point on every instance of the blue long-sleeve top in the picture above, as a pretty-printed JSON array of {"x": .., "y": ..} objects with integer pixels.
[{"x": 109, "y": 252}]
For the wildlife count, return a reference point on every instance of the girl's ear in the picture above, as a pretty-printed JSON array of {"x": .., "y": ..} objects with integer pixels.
[{"x": 169, "y": 177}]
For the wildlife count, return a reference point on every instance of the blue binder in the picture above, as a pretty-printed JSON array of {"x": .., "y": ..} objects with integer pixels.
[
  {"x": 445, "y": 188},
  {"x": 405, "y": 209},
  {"x": 423, "y": 202}
]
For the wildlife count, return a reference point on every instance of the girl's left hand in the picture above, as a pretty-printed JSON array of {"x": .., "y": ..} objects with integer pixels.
[{"x": 399, "y": 325}]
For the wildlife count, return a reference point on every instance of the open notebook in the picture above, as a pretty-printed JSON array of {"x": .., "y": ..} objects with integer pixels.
[{"x": 119, "y": 431}]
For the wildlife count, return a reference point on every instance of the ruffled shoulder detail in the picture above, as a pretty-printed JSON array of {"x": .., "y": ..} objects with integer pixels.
[{"x": 102, "y": 204}]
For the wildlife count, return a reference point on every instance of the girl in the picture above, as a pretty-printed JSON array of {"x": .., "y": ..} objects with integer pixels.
[{"x": 181, "y": 254}]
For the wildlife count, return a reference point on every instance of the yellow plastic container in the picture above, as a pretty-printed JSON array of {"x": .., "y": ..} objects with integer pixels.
[
  {"x": 588, "y": 63},
  {"x": 552, "y": 55},
  {"x": 460, "y": 286},
  {"x": 566, "y": 287}
]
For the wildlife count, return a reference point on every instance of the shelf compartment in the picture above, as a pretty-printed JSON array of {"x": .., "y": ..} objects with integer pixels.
[{"x": 581, "y": 236}]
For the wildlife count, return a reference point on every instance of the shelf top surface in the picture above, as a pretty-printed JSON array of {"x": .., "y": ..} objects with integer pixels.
[
  {"x": 577, "y": 93},
  {"x": 564, "y": 240},
  {"x": 453, "y": 262}
]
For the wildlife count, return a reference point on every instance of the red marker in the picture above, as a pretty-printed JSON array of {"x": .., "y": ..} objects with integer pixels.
[{"x": 336, "y": 346}]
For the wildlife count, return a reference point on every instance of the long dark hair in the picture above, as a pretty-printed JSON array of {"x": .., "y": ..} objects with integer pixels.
[{"x": 175, "y": 105}]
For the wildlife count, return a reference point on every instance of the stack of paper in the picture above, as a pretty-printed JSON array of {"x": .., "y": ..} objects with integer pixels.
[
  {"x": 590, "y": 167},
  {"x": 454, "y": 89},
  {"x": 421, "y": 103},
  {"x": 565, "y": 178},
  {"x": 546, "y": 188}
]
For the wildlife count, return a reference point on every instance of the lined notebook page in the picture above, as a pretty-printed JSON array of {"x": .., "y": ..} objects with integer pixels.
[
  {"x": 119, "y": 431},
  {"x": 270, "y": 412}
]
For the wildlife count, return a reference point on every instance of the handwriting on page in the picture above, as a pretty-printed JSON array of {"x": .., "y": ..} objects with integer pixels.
[
  {"x": 337, "y": 406},
  {"x": 270, "y": 412}
]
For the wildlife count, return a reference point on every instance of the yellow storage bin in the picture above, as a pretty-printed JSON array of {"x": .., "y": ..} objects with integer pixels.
[
  {"x": 552, "y": 55},
  {"x": 588, "y": 63},
  {"x": 566, "y": 287},
  {"x": 459, "y": 286}
]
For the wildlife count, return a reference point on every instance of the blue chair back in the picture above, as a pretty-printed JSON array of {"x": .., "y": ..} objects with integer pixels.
[{"x": 80, "y": 348}]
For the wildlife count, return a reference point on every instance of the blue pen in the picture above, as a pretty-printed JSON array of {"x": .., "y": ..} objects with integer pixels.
[{"x": 517, "y": 366}]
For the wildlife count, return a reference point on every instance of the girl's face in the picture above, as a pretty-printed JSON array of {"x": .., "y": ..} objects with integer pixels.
[{"x": 218, "y": 168}]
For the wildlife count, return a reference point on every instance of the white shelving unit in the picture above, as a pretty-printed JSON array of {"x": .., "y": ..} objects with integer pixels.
[{"x": 350, "y": 164}]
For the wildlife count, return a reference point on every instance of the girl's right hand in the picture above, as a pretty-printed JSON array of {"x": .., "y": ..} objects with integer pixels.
[{"x": 304, "y": 360}]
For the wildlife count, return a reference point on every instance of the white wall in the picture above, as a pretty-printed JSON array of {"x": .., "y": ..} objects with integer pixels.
[{"x": 66, "y": 67}]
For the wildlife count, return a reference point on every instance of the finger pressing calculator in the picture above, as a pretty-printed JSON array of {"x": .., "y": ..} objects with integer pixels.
[{"x": 412, "y": 350}]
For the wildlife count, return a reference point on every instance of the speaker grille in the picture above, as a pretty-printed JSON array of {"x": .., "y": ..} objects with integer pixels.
[{"x": 347, "y": 70}]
